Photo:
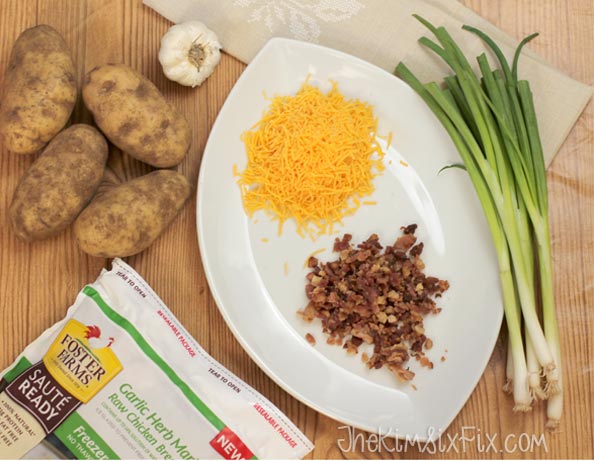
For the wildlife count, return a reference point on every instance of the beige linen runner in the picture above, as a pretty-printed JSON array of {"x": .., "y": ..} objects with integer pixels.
[{"x": 382, "y": 32}]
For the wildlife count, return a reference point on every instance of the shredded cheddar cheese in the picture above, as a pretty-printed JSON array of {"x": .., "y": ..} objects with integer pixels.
[{"x": 310, "y": 158}]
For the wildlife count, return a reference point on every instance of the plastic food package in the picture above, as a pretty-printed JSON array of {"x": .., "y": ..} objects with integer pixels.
[{"x": 120, "y": 377}]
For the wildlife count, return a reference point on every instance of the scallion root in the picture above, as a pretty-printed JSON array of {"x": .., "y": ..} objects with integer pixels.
[{"x": 535, "y": 372}]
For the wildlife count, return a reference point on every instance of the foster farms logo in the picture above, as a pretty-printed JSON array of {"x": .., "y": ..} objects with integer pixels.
[{"x": 81, "y": 360}]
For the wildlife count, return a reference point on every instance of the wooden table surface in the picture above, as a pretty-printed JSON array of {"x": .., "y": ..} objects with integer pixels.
[{"x": 39, "y": 281}]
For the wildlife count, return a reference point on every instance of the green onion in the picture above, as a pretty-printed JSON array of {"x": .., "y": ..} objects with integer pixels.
[{"x": 491, "y": 119}]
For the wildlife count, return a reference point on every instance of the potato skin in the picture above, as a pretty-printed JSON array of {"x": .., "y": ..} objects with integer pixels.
[
  {"x": 127, "y": 218},
  {"x": 39, "y": 90},
  {"x": 134, "y": 115},
  {"x": 59, "y": 184}
]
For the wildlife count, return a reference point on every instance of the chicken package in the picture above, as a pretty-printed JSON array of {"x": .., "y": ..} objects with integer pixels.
[{"x": 121, "y": 378}]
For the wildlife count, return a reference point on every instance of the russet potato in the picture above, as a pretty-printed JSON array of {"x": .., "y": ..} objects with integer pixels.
[
  {"x": 134, "y": 115},
  {"x": 39, "y": 90},
  {"x": 59, "y": 184},
  {"x": 127, "y": 218}
]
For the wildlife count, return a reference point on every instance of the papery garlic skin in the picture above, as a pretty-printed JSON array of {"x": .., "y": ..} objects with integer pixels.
[{"x": 189, "y": 53}]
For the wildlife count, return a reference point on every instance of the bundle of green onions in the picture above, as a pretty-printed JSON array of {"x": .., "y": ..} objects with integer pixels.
[{"x": 492, "y": 121}]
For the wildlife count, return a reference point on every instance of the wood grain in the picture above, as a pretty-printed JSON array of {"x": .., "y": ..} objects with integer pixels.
[{"x": 39, "y": 281}]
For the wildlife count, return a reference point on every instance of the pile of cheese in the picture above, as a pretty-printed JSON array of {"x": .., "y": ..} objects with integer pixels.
[{"x": 311, "y": 157}]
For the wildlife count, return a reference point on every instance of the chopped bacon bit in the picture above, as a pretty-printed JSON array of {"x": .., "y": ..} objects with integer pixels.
[
  {"x": 403, "y": 375},
  {"x": 426, "y": 362},
  {"x": 343, "y": 244},
  {"x": 310, "y": 339},
  {"x": 410, "y": 229},
  {"x": 443, "y": 358},
  {"x": 309, "y": 260},
  {"x": 376, "y": 297}
]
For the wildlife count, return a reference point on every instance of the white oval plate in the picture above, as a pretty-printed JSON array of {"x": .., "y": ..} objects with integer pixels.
[{"x": 246, "y": 261}]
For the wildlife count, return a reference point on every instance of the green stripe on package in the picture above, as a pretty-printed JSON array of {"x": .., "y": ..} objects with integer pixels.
[{"x": 121, "y": 378}]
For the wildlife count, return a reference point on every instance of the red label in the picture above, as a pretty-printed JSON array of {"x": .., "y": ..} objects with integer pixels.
[{"x": 228, "y": 444}]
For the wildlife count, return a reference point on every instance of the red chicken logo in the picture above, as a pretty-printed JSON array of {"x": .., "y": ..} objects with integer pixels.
[{"x": 93, "y": 336}]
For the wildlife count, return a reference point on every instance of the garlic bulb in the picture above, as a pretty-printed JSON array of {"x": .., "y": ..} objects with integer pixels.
[{"x": 189, "y": 53}]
